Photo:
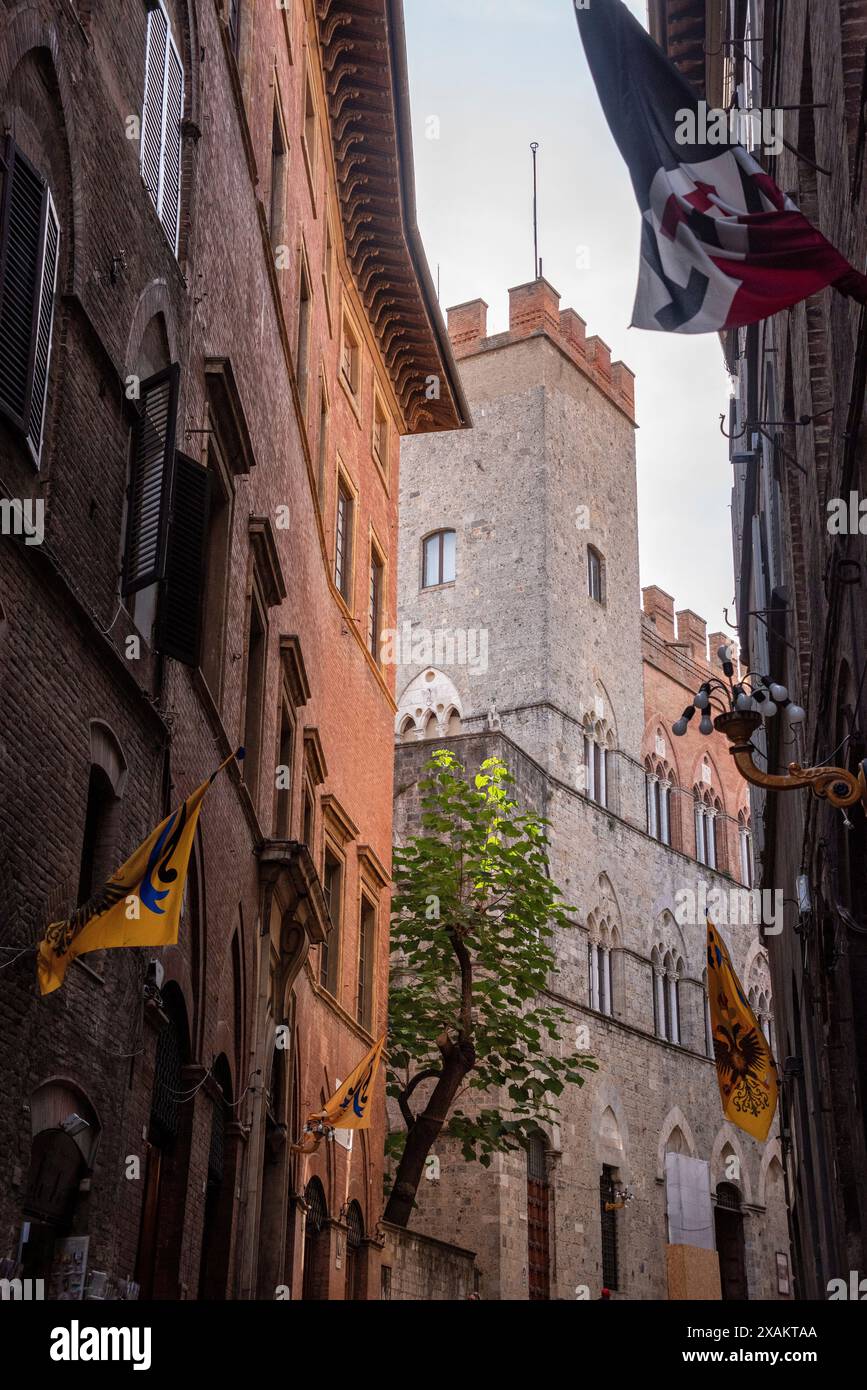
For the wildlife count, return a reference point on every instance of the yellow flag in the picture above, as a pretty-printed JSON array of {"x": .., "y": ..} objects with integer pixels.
[
  {"x": 350, "y": 1106},
  {"x": 746, "y": 1071},
  {"x": 140, "y": 905}
]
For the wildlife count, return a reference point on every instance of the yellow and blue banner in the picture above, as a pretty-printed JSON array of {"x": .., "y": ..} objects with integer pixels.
[{"x": 141, "y": 903}]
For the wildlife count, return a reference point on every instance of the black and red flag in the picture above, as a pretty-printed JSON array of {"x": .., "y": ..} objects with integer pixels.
[{"x": 721, "y": 245}]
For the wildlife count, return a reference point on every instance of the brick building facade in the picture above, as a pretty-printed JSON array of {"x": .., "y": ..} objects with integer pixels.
[
  {"x": 216, "y": 322},
  {"x": 521, "y": 636},
  {"x": 798, "y": 444}
]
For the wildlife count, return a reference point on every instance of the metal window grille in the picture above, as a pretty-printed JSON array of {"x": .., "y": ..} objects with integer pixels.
[{"x": 607, "y": 1196}]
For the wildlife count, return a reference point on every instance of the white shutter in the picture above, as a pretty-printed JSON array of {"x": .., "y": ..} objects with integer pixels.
[
  {"x": 44, "y": 324},
  {"x": 170, "y": 196},
  {"x": 152, "y": 122}
]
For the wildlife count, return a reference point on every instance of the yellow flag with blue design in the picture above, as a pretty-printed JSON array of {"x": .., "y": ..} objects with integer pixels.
[
  {"x": 140, "y": 905},
  {"x": 351, "y": 1105},
  {"x": 746, "y": 1071}
]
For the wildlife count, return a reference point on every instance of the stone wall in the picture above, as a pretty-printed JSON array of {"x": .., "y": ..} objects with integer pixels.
[{"x": 419, "y": 1269}]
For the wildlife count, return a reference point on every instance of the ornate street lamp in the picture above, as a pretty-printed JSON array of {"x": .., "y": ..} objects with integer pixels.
[{"x": 743, "y": 705}]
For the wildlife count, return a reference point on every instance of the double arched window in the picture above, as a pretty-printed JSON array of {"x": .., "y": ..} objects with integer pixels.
[
  {"x": 659, "y": 781},
  {"x": 667, "y": 974},
  {"x": 598, "y": 745},
  {"x": 438, "y": 559},
  {"x": 603, "y": 941},
  {"x": 709, "y": 849}
]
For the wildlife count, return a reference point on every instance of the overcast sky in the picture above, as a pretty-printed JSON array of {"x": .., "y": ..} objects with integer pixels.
[{"x": 497, "y": 74}]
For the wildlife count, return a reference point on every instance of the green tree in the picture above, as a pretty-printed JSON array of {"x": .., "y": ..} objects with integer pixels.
[{"x": 475, "y": 911}]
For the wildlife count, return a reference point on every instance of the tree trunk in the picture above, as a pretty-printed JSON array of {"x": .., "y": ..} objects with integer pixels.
[{"x": 424, "y": 1133}]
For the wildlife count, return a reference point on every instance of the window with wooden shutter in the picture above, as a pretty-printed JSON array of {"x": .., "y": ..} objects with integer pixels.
[
  {"x": 150, "y": 481},
  {"x": 162, "y": 114},
  {"x": 179, "y": 627},
  {"x": 29, "y": 254}
]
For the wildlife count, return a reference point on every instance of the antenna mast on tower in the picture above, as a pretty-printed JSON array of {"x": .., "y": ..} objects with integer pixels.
[{"x": 537, "y": 264}]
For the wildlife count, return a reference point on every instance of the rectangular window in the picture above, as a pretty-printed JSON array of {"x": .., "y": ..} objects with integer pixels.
[
  {"x": 278, "y": 178},
  {"x": 594, "y": 574},
  {"x": 302, "y": 346},
  {"x": 254, "y": 693},
  {"x": 283, "y": 778},
  {"x": 233, "y": 22},
  {"x": 366, "y": 947},
  {"x": 308, "y": 137},
  {"x": 328, "y": 269},
  {"x": 329, "y": 958},
  {"x": 374, "y": 617},
  {"x": 29, "y": 254},
  {"x": 380, "y": 435},
  {"x": 350, "y": 358},
  {"x": 307, "y": 831},
  {"x": 343, "y": 541},
  {"x": 162, "y": 115},
  {"x": 608, "y": 1215},
  {"x": 322, "y": 468},
  {"x": 439, "y": 559}
]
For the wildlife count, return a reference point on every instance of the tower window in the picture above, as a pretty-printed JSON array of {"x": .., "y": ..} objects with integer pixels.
[
  {"x": 439, "y": 559},
  {"x": 595, "y": 575}
]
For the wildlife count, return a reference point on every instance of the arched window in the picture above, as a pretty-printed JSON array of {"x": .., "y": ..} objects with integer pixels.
[
  {"x": 709, "y": 829},
  {"x": 354, "y": 1241},
  {"x": 598, "y": 744},
  {"x": 438, "y": 559},
  {"x": 745, "y": 840},
  {"x": 595, "y": 574},
  {"x": 599, "y": 951},
  {"x": 538, "y": 1202},
  {"x": 316, "y": 1261},
  {"x": 100, "y": 848},
  {"x": 658, "y": 783},
  {"x": 667, "y": 972}
]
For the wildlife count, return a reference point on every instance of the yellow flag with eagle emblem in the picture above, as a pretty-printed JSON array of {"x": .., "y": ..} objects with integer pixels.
[
  {"x": 140, "y": 905},
  {"x": 746, "y": 1071}
]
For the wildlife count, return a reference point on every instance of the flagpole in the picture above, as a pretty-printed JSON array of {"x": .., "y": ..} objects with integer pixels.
[{"x": 534, "y": 145}]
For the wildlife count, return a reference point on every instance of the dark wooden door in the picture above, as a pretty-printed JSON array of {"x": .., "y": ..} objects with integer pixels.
[
  {"x": 729, "y": 1224},
  {"x": 538, "y": 1241},
  {"x": 537, "y": 1238}
]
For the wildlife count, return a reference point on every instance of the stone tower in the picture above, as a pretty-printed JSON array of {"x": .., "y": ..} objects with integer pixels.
[
  {"x": 521, "y": 635},
  {"x": 539, "y": 491}
]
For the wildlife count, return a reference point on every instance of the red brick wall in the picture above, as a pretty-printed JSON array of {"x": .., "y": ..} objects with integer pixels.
[{"x": 63, "y": 661}]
